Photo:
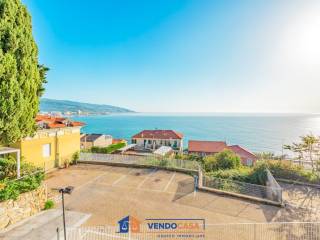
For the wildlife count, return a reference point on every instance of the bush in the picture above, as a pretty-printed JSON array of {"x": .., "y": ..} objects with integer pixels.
[
  {"x": 288, "y": 170},
  {"x": 48, "y": 205},
  {"x": 8, "y": 168},
  {"x": 223, "y": 160},
  {"x": 256, "y": 175},
  {"x": 259, "y": 174},
  {"x": 10, "y": 189},
  {"x": 75, "y": 158}
]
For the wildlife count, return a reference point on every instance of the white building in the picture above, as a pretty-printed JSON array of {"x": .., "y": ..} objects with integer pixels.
[{"x": 154, "y": 139}]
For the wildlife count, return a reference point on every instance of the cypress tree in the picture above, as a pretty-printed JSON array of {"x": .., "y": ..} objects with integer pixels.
[{"x": 21, "y": 76}]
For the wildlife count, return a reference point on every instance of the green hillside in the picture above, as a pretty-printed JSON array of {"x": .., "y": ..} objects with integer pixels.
[{"x": 52, "y": 105}]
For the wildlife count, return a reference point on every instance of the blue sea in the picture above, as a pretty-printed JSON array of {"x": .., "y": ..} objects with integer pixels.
[{"x": 259, "y": 133}]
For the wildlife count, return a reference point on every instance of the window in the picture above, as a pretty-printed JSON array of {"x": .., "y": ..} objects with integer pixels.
[
  {"x": 249, "y": 162},
  {"x": 134, "y": 141},
  {"x": 149, "y": 141},
  {"x": 46, "y": 150}
]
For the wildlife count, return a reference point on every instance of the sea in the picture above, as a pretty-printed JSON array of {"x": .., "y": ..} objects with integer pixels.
[{"x": 256, "y": 132}]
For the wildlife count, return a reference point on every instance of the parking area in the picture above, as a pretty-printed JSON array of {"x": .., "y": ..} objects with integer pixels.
[{"x": 110, "y": 193}]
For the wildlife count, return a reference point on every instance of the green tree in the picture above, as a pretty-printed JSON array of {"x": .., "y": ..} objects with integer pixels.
[
  {"x": 21, "y": 76},
  {"x": 307, "y": 149},
  {"x": 223, "y": 160}
]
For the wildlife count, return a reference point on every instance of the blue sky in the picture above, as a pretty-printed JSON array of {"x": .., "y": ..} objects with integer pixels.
[{"x": 182, "y": 56}]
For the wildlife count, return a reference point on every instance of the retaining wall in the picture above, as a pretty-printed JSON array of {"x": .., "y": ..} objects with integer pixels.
[{"x": 26, "y": 205}]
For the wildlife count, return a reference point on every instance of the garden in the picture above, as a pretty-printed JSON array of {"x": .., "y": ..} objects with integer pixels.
[{"x": 11, "y": 187}]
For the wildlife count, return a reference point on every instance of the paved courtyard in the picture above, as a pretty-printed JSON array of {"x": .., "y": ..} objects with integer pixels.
[{"x": 110, "y": 193}]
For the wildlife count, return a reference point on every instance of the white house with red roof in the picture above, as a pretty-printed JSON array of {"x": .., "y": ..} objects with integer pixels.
[
  {"x": 204, "y": 148},
  {"x": 154, "y": 139}
]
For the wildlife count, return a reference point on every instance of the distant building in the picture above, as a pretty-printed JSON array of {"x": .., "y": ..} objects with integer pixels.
[
  {"x": 54, "y": 143},
  {"x": 95, "y": 140},
  {"x": 154, "y": 139},
  {"x": 119, "y": 140},
  {"x": 247, "y": 158},
  {"x": 204, "y": 148}
]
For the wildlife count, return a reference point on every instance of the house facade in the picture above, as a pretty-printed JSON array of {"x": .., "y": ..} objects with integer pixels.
[
  {"x": 95, "y": 140},
  {"x": 204, "y": 148},
  {"x": 56, "y": 140},
  {"x": 154, "y": 139}
]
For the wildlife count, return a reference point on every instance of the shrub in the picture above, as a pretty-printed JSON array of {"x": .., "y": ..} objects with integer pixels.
[
  {"x": 8, "y": 168},
  {"x": 12, "y": 188},
  {"x": 223, "y": 160},
  {"x": 75, "y": 158},
  {"x": 290, "y": 171},
  {"x": 259, "y": 174},
  {"x": 242, "y": 174},
  {"x": 48, "y": 205}
]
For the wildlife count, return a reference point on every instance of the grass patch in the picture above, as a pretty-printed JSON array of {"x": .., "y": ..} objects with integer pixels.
[{"x": 110, "y": 149}]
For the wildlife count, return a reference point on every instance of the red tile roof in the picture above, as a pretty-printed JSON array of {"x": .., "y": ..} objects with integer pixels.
[
  {"x": 206, "y": 146},
  {"x": 159, "y": 134},
  {"x": 242, "y": 153},
  {"x": 49, "y": 122}
]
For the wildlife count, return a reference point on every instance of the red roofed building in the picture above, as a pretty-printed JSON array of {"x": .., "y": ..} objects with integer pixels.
[
  {"x": 153, "y": 139},
  {"x": 50, "y": 122},
  {"x": 204, "y": 148},
  {"x": 247, "y": 158}
]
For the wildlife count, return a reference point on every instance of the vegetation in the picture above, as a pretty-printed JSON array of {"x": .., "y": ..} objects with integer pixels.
[
  {"x": 75, "y": 158},
  {"x": 191, "y": 157},
  {"x": 307, "y": 150},
  {"x": 49, "y": 105},
  {"x": 110, "y": 149},
  {"x": 21, "y": 76},
  {"x": 221, "y": 161},
  {"x": 288, "y": 170},
  {"x": 10, "y": 188},
  {"x": 48, "y": 205},
  {"x": 253, "y": 175}
]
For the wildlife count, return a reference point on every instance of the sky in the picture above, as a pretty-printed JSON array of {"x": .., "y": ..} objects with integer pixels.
[{"x": 182, "y": 55}]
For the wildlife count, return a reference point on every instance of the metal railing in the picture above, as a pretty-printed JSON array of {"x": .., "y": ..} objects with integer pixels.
[
  {"x": 241, "y": 231},
  {"x": 253, "y": 190},
  {"x": 152, "y": 161}
]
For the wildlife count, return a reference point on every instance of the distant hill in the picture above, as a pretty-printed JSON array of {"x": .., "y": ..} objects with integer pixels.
[{"x": 52, "y": 105}]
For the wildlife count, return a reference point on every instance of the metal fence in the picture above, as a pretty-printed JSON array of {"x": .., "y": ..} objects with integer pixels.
[
  {"x": 242, "y": 231},
  {"x": 254, "y": 190},
  {"x": 152, "y": 161}
]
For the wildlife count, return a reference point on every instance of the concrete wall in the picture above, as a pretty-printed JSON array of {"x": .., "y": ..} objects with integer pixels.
[{"x": 27, "y": 204}]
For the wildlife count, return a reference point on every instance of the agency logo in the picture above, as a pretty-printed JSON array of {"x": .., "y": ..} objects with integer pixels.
[
  {"x": 129, "y": 223},
  {"x": 168, "y": 228}
]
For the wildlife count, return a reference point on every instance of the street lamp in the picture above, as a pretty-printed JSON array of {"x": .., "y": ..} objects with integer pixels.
[{"x": 66, "y": 190}]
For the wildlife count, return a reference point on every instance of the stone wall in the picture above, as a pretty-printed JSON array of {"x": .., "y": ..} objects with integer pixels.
[{"x": 27, "y": 204}]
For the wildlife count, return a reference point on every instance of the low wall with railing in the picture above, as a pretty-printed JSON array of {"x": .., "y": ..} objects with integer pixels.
[
  {"x": 140, "y": 161},
  {"x": 255, "y": 192}
]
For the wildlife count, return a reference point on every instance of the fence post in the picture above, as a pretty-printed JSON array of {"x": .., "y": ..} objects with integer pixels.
[{"x": 58, "y": 233}]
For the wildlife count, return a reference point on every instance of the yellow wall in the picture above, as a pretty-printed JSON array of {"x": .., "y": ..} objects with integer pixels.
[{"x": 63, "y": 143}]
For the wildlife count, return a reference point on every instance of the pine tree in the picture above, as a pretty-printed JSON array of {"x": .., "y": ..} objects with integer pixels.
[{"x": 21, "y": 76}]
